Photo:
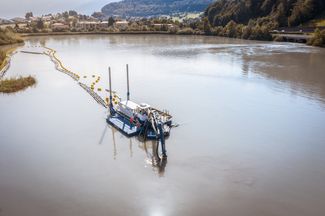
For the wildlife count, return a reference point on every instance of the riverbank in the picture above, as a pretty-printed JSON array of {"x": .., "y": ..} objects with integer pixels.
[
  {"x": 93, "y": 33},
  {"x": 293, "y": 38},
  {"x": 5, "y": 56},
  {"x": 16, "y": 84},
  {"x": 9, "y": 41}
]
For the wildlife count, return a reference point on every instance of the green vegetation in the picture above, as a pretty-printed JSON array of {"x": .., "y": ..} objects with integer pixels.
[
  {"x": 8, "y": 36},
  {"x": 16, "y": 84},
  {"x": 275, "y": 13},
  {"x": 252, "y": 31},
  {"x": 255, "y": 19},
  {"x": 186, "y": 31},
  {"x": 318, "y": 38}
]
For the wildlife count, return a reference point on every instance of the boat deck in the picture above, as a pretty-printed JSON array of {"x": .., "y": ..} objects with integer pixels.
[{"x": 123, "y": 125}]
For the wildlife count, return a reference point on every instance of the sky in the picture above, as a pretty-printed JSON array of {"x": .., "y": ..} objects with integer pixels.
[{"x": 18, "y": 8}]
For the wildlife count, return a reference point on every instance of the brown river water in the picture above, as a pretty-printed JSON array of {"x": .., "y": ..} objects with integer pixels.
[{"x": 251, "y": 139}]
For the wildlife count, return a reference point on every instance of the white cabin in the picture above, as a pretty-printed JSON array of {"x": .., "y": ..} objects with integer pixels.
[
  {"x": 128, "y": 108},
  {"x": 132, "y": 109}
]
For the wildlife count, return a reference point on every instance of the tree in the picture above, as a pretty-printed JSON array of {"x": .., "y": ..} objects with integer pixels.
[
  {"x": 318, "y": 39},
  {"x": 40, "y": 24},
  {"x": 206, "y": 26},
  {"x": 231, "y": 29},
  {"x": 65, "y": 14},
  {"x": 29, "y": 15},
  {"x": 73, "y": 13},
  {"x": 111, "y": 21}
]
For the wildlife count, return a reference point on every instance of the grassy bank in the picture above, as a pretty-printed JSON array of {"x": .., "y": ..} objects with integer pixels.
[
  {"x": 8, "y": 36},
  {"x": 3, "y": 59},
  {"x": 16, "y": 84}
]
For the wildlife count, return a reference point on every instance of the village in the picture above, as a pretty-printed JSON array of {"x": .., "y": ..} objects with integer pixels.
[{"x": 71, "y": 21}]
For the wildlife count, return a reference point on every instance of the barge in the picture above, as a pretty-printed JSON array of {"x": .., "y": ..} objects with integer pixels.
[{"x": 138, "y": 119}]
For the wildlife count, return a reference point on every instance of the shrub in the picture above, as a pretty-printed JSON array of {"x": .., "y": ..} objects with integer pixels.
[
  {"x": 318, "y": 38},
  {"x": 8, "y": 36},
  {"x": 278, "y": 38},
  {"x": 16, "y": 84},
  {"x": 186, "y": 31}
]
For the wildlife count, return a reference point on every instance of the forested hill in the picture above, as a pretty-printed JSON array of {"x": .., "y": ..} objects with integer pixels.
[
  {"x": 277, "y": 12},
  {"x": 144, "y": 8}
]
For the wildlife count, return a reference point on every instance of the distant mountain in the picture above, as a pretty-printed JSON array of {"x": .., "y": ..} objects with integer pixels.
[
  {"x": 280, "y": 12},
  {"x": 144, "y": 8}
]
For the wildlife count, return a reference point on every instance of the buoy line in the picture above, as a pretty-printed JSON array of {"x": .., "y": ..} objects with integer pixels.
[
  {"x": 97, "y": 98},
  {"x": 90, "y": 90},
  {"x": 58, "y": 64}
]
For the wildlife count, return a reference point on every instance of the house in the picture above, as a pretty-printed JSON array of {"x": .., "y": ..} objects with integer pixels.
[
  {"x": 47, "y": 18},
  {"x": 59, "y": 27},
  {"x": 122, "y": 25},
  {"x": 92, "y": 24}
]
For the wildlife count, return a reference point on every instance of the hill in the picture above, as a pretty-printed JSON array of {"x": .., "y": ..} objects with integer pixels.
[
  {"x": 278, "y": 12},
  {"x": 145, "y": 8}
]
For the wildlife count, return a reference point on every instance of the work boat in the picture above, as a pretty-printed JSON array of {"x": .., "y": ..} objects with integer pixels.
[{"x": 134, "y": 119}]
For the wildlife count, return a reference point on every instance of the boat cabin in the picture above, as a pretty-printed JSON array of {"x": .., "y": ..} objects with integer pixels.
[{"x": 128, "y": 108}]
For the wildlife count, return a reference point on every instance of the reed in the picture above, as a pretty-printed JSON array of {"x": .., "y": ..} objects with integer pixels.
[
  {"x": 8, "y": 36},
  {"x": 16, "y": 84}
]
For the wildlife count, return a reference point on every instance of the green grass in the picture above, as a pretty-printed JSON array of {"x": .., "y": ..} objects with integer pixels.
[{"x": 16, "y": 84}]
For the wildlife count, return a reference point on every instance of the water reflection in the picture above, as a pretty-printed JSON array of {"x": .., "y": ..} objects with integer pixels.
[
  {"x": 157, "y": 162},
  {"x": 151, "y": 149}
]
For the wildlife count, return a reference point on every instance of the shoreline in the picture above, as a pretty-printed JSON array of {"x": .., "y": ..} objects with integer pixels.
[
  {"x": 24, "y": 35},
  {"x": 9, "y": 51},
  {"x": 96, "y": 33}
]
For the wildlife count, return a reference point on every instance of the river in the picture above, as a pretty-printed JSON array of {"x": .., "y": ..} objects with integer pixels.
[{"x": 250, "y": 139}]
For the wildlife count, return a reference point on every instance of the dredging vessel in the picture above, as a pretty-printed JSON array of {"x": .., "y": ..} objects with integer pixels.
[{"x": 133, "y": 119}]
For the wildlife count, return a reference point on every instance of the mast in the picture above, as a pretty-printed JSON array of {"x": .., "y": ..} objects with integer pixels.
[
  {"x": 110, "y": 92},
  {"x": 127, "y": 80}
]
